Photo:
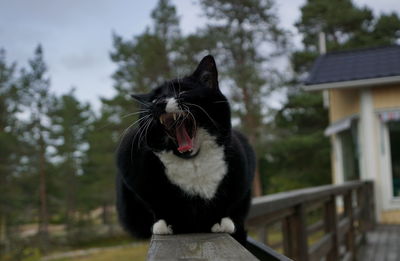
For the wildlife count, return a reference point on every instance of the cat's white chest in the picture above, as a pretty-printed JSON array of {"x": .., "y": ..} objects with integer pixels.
[{"x": 200, "y": 175}]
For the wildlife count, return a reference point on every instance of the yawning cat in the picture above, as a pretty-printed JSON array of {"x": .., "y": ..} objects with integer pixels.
[{"x": 183, "y": 169}]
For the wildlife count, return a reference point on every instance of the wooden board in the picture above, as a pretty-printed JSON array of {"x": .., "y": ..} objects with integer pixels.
[{"x": 197, "y": 247}]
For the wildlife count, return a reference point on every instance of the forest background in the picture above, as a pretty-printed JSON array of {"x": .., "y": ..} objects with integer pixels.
[{"x": 57, "y": 152}]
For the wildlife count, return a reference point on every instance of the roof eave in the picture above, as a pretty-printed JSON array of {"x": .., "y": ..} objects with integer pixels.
[{"x": 353, "y": 84}]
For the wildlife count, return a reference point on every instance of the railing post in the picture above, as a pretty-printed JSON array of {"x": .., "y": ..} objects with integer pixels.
[
  {"x": 363, "y": 217},
  {"x": 298, "y": 248},
  {"x": 351, "y": 235},
  {"x": 331, "y": 227},
  {"x": 262, "y": 234},
  {"x": 370, "y": 206},
  {"x": 287, "y": 237}
]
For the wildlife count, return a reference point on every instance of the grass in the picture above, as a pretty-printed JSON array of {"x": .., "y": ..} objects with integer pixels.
[{"x": 128, "y": 253}]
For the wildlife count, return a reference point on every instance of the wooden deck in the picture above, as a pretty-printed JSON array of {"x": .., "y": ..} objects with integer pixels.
[{"x": 382, "y": 243}]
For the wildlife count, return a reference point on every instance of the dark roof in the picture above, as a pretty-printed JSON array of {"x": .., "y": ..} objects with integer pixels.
[{"x": 356, "y": 65}]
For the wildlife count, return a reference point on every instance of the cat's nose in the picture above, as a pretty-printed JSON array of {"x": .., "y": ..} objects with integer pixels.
[
  {"x": 172, "y": 105},
  {"x": 167, "y": 105}
]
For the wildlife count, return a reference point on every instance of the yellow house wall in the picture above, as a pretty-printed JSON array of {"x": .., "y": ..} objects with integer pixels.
[
  {"x": 343, "y": 103},
  {"x": 346, "y": 102},
  {"x": 386, "y": 97}
]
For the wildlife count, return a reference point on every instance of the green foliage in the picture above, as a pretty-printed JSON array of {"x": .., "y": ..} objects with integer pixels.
[
  {"x": 25, "y": 254},
  {"x": 346, "y": 26},
  {"x": 146, "y": 61},
  {"x": 70, "y": 120},
  {"x": 338, "y": 19},
  {"x": 99, "y": 166},
  {"x": 8, "y": 141},
  {"x": 31, "y": 254},
  {"x": 242, "y": 32},
  {"x": 300, "y": 154}
]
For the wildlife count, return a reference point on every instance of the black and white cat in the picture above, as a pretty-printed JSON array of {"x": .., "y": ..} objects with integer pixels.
[{"x": 183, "y": 169}]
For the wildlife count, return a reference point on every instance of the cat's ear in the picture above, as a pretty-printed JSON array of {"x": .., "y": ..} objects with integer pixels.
[
  {"x": 142, "y": 98},
  {"x": 207, "y": 73}
]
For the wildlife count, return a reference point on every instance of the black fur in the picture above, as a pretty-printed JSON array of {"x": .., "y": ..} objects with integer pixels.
[{"x": 144, "y": 192}]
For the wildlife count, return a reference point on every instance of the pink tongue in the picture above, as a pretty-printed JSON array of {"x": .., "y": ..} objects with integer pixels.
[{"x": 184, "y": 141}]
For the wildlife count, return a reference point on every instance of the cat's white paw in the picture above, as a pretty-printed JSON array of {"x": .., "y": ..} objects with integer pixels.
[
  {"x": 226, "y": 226},
  {"x": 161, "y": 228}
]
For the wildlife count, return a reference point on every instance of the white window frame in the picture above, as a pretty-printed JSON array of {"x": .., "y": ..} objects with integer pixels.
[{"x": 389, "y": 202}]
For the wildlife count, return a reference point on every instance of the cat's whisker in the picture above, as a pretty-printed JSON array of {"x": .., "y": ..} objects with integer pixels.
[
  {"x": 147, "y": 118},
  {"x": 146, "y": 104},
  {"x": 122, "y": 117},
  {"x": 138, "y": 140},
  {"x": 134, "y": 113},
  {"x": 195, "y": 105},
  {"x": 142, "y": 129},
  {"x": 130, "y": 126},
  {"x": 173, "y": 88},
  {"x": 146, "y": 131},
  {"x": 138, "y": 121},
  {"x": 179, "y": 85}
]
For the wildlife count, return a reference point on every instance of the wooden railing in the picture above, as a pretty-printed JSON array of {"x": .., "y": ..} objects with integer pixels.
[
  {"x": 310, "y": 224},
  {"x": 207, "y": 247},
  {"x": 319, "y": 223}
]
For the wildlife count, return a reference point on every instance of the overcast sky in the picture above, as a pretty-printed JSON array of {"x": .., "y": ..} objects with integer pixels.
[{"x": 76, "y": 34}]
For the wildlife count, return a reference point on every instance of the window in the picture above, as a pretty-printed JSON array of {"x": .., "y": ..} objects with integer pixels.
[
  {"x": 394, "y": 135},
  {"x": 350, "y": 155}
]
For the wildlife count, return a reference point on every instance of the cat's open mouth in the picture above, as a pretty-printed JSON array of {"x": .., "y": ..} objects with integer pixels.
[{"x": 181, "y": 128}]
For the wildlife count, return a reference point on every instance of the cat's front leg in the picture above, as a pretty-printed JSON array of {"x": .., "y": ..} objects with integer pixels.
[
  {"x": 162, "y": 228},
  {"x": 226, "y": 225}
]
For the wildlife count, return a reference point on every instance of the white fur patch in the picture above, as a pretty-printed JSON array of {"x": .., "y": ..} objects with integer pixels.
[
  {"x": 200, "y": 175},
  {"x": 226, "y": 226},
  {"x": 161, "y": 228},
  {"x": 172, "y": 106}
]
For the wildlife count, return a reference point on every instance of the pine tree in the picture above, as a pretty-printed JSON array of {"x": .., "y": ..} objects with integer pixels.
[
  {"x": 146, "y": 61},
  {"x": 37, "y": 101},
  {"x": 143, "y": 63},
  {"x": 8, "y": 142},
  {"x": 244, "y": 32},
  {"x": 69, "y": 120},
  {"x": 99, "y": 165}
]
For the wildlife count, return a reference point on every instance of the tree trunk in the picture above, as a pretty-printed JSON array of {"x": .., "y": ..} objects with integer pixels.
[
  {"x": 252, "y": 127},
  {"x": 3, "y": 235},
  {"x": 257, "y": 187},
  {"x": 105, "y": 214},
  {"x": 249, "y": 121},
  {"x": 71, "y": 193},
  {"x": 43, "y": 213}
]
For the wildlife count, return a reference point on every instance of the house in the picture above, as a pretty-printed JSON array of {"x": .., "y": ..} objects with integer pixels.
[{"x": 362, "y": 90}]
